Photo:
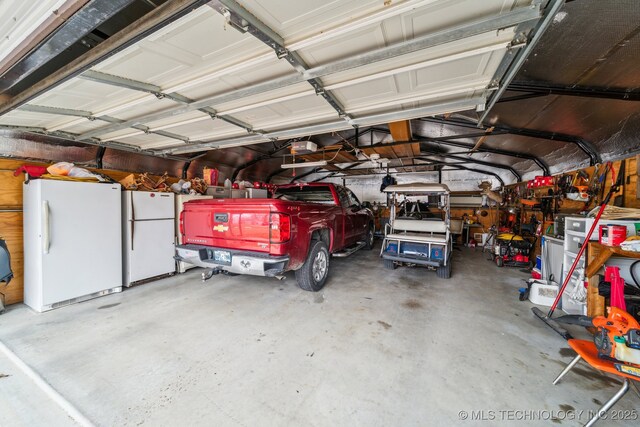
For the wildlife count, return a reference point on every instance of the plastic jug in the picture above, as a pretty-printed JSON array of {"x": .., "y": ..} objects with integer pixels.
[{"x": 626, "y": 354}]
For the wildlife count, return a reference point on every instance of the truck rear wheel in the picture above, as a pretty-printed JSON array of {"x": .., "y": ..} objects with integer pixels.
[{"x": 315, "y": 270}]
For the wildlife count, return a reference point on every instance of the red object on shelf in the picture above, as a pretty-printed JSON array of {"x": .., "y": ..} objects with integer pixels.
[
  {"x": 612, "y": 235},
  {"x": 235, "y": 186},
  {"x": 33, "y": 170}
]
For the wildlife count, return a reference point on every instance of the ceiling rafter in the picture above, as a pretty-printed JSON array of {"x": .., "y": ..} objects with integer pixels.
[
  {"x": 506, "y": 74},
  {"x": 451, "y": 140},
  {"x": 584, "y": 145},
  {"x": 515, "y": 173}
]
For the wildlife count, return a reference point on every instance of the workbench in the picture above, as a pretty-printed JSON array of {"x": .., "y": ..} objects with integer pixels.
[{"x": 597, "y": 255}]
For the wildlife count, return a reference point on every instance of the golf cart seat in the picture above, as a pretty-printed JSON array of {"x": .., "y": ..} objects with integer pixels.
[
  {"x": 412, "y": 237},
  {"x": 401, "y": 227}
]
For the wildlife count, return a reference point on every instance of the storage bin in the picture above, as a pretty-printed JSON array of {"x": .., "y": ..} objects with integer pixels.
[{"x": 543, "y": 292}]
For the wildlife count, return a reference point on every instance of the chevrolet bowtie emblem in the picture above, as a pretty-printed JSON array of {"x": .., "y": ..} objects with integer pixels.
[{"x": 221, "y": 228}]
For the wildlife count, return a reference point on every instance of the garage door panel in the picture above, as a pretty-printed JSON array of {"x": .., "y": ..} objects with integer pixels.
[
  {"x": 294, "y": 20},
  {"x": 308, "y": 106},
  {"x": 269, "y": 70},
  {"x": 80, "y": 94},
  {"x": 207, "y": 129},
  {"x": 26, "y": 118}
]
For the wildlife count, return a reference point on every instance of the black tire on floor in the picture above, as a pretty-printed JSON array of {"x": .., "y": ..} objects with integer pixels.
[
  {"x": 370, "y": 239},
  {"x": 389, "y": 264},
  {"x": 444, "y": 272},
  {"x": 315, "y": 270},
  {"x": 499, "y": 261}
]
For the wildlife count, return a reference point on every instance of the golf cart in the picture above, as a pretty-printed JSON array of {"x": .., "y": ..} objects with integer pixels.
[{"x": 418, "y": 238}]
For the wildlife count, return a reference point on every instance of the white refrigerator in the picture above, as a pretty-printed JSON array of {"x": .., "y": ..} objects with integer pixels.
[
  {"x": 72, "y": 242},
  {"x": 181, "y": 199},
  {"x": 148, "y": 235}
]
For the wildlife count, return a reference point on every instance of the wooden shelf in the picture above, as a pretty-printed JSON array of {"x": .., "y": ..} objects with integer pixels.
[
  {"x": 597, "y": 255},
  {"x": 604, "y": 253}
]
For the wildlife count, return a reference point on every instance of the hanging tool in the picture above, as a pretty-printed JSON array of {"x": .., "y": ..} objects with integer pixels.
[
  {"x": 619, "y": 199},
  {"x": 547, "y": 318}
]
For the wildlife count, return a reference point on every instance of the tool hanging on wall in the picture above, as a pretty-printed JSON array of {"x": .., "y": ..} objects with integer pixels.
[
  {"x": 548, "y": 317},
  {"x": 619, "y": 199}
]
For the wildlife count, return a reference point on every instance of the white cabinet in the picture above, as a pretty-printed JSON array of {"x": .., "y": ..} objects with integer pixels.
[{"x": 575, "y": 232}]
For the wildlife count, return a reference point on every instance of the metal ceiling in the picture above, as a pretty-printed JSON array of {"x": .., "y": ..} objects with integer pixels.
[{"x": 243, "y": 78}]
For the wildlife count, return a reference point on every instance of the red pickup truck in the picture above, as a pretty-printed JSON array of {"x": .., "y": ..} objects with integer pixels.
[{"x": 296, "y": 230}]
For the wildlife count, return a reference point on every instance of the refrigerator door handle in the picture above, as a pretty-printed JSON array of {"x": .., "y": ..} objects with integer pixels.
[
  {"x": 133, "y": 227},
  {"x": 46, "y": 234},
  {"x": 133, "y": 219}
]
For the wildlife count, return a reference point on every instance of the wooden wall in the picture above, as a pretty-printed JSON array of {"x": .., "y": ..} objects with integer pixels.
[{"x": 11, "y": 222}]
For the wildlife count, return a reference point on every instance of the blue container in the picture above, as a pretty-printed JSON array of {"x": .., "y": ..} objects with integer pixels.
[
  {"x": 437, "y": 253},
  {"x": 538, "y": 262},
  {"x": 392, "y": 248}
]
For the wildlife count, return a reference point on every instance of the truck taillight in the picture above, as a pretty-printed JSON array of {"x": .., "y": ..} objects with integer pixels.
[
  {"x": 182, "y": 223},
  {"x": 280, "y": 228}
]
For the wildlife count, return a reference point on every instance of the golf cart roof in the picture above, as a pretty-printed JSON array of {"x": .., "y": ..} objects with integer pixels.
[{"x": 417, "y": 188}]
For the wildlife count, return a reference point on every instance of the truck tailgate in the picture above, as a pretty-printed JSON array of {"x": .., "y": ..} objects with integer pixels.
[{"x": 225, "y": 224}]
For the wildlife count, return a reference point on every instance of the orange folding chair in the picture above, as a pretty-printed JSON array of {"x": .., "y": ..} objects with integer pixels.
[{"x": 587, "y": 350}]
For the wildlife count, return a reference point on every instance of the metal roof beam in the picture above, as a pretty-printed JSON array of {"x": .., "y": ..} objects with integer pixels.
[
  {"x": 512, "y": 62},
  {"x": 476, "y": 161},
  {"x": 584, "y": 145},
  {"x": 484, "y": 25},
  {"x": 450, "y": 140},
  {"x": 73, "y": 29},
  {"x": 542, "y": 88}
]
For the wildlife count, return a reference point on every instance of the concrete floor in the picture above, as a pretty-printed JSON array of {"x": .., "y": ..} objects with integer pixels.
[{"x": 373, "y": 348}]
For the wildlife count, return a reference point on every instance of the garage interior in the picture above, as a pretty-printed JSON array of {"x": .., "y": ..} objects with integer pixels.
[{"x": 494, "y": 142}]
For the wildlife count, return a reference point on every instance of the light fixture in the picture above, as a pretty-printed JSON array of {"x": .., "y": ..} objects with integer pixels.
[{"x": 303, "y": 164}]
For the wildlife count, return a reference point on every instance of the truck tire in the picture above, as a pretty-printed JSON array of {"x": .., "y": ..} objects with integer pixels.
[
  {"x": 369, "y": 239},
  {"x": 315, "y": 270}
]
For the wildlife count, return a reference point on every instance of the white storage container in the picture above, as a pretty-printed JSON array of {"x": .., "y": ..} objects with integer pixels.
[{"x": 543, "y": 292}]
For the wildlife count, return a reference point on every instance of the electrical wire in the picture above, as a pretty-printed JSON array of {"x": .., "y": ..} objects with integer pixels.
[{"x": 633, "y": 276}]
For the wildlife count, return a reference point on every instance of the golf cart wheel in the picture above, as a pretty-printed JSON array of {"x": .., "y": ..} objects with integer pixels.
[
  {"x": 499, "y": 261},
  {"x": 389, "y": 264},
  {"x": 444, "y": 272}
]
